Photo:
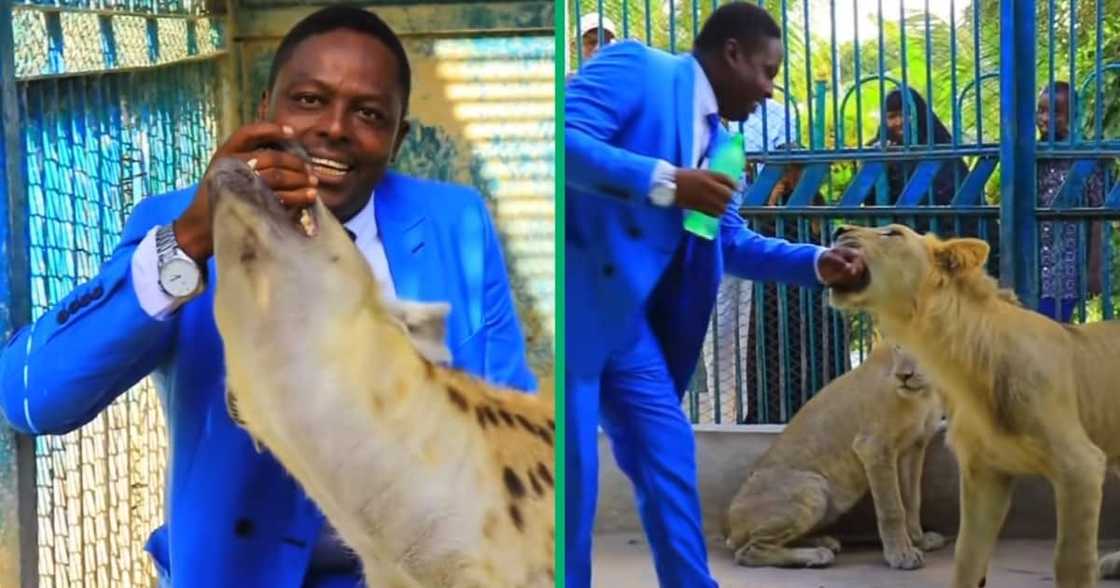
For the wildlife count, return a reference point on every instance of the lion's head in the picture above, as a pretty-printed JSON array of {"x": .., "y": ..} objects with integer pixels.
[
  {"x": 901, "y": 265},
  {"x": 910, "y": 378}
]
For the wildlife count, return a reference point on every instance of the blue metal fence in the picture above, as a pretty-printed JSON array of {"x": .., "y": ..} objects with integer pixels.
[
  {"x": 113, "y": 100},
  {"x": 820, "y": 154}
]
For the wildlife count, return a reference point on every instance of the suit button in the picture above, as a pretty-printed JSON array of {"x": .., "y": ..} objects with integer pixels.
[
  {"x": 243, "y": 527},
  {"x": 608, "y": 270},
  {"x": 85, "y": 299},
  {"x": 633, "y": 231},
  {"x": 97, "y": 292},
  {"x": 75, "y": 304},
  {"x": 62, "y": 316}
]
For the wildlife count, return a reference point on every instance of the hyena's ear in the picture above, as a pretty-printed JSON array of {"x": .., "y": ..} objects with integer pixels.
[
  {"x": 426, "y": 325},
  {"x": 957, "y": 256}
]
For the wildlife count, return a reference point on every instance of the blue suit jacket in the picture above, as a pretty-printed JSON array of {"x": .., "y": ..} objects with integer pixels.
[
  {"x": 234, "y": 517},
  {"x": 626, "y": 108}
]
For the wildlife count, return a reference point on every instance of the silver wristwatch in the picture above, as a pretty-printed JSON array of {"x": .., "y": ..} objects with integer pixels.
[{"x": 179, "y": 275}]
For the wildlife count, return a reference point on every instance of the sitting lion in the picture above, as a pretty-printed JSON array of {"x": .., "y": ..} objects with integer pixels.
[
  {"x": 1026, "y": 395},
  {"x": 866, "y": 429}
]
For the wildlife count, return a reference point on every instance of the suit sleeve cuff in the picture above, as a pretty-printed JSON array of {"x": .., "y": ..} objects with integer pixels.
[
  {"x": 145, "y": 279},
  {"x": 662, "y": 175}
]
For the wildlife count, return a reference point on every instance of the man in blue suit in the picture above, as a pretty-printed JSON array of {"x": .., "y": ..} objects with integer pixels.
[
  {"x": 339, "y": 86},
  {"x": 639, "y": 124}
]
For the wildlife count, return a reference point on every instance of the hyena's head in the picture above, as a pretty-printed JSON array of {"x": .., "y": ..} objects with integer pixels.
[{"x": 275, "y": 265}]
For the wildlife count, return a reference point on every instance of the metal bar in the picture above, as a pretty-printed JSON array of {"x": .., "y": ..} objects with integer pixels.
[
  {"x": 971, "y": 192},
  {"x": 649, "y": 26},
  {"x": 759, "y": 191},
  {"x": 1098, "y": 120},
  {"x": 19, "y": 539},
  {"x": 128, "y": 70},
  {"x": 882, "y": 84},
  {"x": 739, "y": 414},
  {"x": 1052, "y": 16},
  {"x": 1073, "y": 187},
  {"x": 929, "y": 79},
  {"x": 579, "y": 36},
  {"x": 861, "y": 184},
  {"x": 625, "y": 20},
  {"x": 920, "y": 183},
  {"x": 885, "y": 212},
  {"x": 785, "y": 68},
  {"x": 1072, "y": 102},
  {"x": 976, "y": 72},
  {"x": 907, "y": 137},
  {"x": 836, "y": 81},
  {"x": 820, "y": 95},
  {"x": 859, "y": 76},
  {"x": 811, "y": 179},
  {"x": 807, "y": 40},
  {"x": 695, "y": 19},
  {"x": 953, "y": 72},
  {"x": 1106, "y": 273},
  {"x": 1112, "y": 151},
  {"x": 715, "y": 367},
  {"x": 672, "y": 27},
  {"x": 599, "y": 34},
  {"x": 1019, "y": 191}
]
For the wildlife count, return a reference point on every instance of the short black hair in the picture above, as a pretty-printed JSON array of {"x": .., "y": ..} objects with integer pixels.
[
  {"x": 342, "y": 16},
  {"x": 1058, "y": 87},
  {"x": 747, "y": 23}
]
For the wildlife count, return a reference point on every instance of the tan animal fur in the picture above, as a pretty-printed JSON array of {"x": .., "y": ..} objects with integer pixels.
[
  {"x": 867, "y": 429},
  {"x": 1025, "y": 394},
  {"x": 434, "y": 478}
]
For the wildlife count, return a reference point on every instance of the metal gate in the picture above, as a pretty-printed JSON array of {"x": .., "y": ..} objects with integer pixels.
[{"x": 963, "y": 165}]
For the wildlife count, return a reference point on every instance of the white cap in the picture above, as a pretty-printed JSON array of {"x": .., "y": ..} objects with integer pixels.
[{"x": 590, "y": 22}]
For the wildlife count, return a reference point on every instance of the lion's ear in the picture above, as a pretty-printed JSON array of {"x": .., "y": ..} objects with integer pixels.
[{"x": 960, "y": 255}]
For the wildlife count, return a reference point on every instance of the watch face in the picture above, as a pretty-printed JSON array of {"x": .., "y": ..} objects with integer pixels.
[{"x": 179, "y": 277}]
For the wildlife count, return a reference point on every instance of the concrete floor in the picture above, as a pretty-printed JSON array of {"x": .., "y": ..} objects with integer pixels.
[{"x": 624, "y": 560}]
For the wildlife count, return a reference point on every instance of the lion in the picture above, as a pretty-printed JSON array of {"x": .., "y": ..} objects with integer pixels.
[
  {"x": 431, "y": 476},
  {"x": 867, "y": 429},
  {"x": 1025, "y": 394}
]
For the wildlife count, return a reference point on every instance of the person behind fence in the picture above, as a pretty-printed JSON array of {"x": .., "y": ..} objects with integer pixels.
[
  {"x": 339, "y": 85},
  {"x": 589, "y": 27},
  {"x": 808, "y": 340},
  {"x": 924, "y": 127},
  {"x": 722, "y": 363},
  {"x": 640, "y": 124},
  {"x": 918, "y": 117},
  {"x": 1060, "y": 257}
]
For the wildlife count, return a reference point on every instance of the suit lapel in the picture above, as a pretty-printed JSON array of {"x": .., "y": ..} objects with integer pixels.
[{"x": 403, "y": 230}]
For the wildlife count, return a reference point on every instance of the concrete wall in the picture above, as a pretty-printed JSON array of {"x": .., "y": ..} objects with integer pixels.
[
  {"x": 725, "y": 455},
  {"x": 482, "y": 114}
]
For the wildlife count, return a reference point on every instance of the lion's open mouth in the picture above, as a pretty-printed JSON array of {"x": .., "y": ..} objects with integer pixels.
[{"x": 855, "y": 288}]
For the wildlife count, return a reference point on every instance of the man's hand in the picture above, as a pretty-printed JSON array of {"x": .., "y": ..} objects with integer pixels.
[
  {"x": 842, "y": 267},
  {"x": 702, "y": 190},
  {"x": 286, "y": 174}
]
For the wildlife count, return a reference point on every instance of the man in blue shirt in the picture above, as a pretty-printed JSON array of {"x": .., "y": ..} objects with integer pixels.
[
  {"x": 640, "y": 125},
  {"x": 339, "y": 86}
]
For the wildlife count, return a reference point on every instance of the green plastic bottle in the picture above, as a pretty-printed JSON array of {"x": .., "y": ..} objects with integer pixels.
[{"x": 729, "y": 160}]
